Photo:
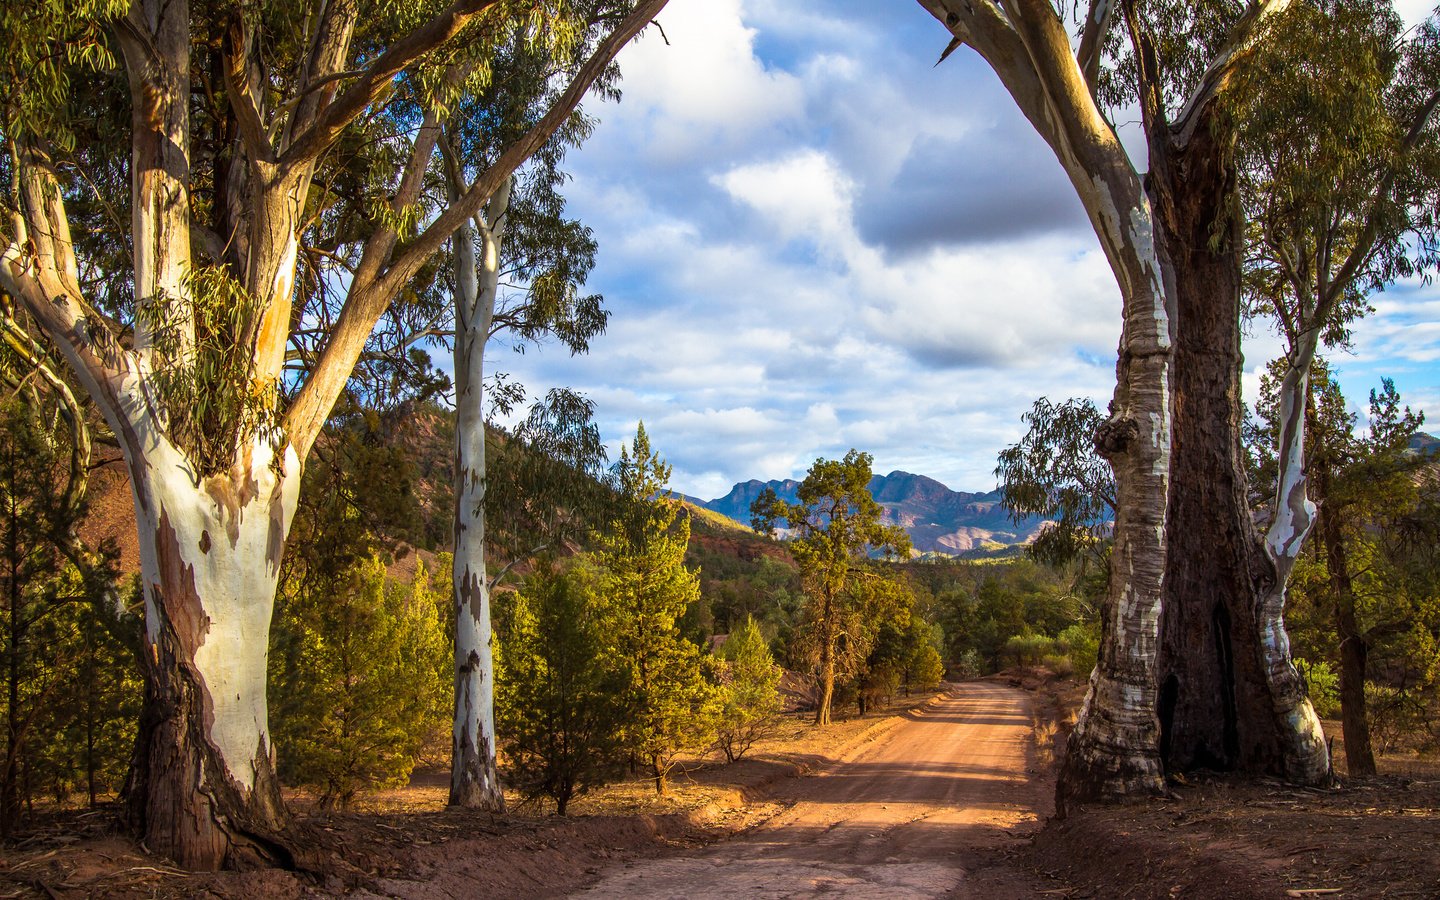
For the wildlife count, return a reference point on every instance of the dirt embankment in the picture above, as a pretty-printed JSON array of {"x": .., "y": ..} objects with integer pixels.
[{"x": 1217, "y": 838}]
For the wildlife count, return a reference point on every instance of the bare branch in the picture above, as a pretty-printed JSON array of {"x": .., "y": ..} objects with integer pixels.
[{"x": 1092, "y": 39}]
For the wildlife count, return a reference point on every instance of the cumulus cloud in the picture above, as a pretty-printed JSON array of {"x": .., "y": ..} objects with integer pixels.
[
  {"x": 694, "y": 85},
  {"x": 812, "y": 239}
]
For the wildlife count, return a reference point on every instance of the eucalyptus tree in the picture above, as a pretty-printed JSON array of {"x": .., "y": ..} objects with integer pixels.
[
  {"x": 238, "y": 116},
  {"x": 1054, "y": 472},
  {"x": 832, "y": 525},
  {"x": 518, "y": 266},
  {"x": 1366, "y": 489},
  {"x": 1340, "y": 174},
  {"x": 1186, "y": 666}
]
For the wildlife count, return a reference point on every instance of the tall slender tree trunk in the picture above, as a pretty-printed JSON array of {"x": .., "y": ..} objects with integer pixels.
[
  {"x": 474, "y": 777},
  {"x": 203, "y": 787},
  {"x": 1354, "y": 648},
  {"x": 1230, "y": 700}
]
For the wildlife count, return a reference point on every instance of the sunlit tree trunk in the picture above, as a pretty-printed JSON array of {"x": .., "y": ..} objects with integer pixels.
[
  {"x": 474, "y": 780},
  {"x": 203, "y": 787},
  {"x": 827, "y": 661},
  {"x": 213, "y": 522},
  {"x": 1114, "y": 749}
]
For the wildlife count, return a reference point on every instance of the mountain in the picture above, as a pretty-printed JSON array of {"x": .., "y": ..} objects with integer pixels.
[
  {"x": 1424, "y": 444},
  {"x": 937, "y": 519}
]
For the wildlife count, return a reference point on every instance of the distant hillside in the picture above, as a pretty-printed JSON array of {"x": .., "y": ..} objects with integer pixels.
[
  {"x": 937, "y": 519},
  {"x": 1424, "y": 444}
]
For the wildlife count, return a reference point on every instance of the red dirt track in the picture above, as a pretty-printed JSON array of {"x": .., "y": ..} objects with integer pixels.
[{"x": 928, "y": 809}]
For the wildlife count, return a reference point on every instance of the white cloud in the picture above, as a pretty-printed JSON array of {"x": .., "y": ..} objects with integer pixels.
[
  {"x": 813, "y": 239},
  {"x": 803, "y": 195},
  {"x": 705, "y": 87}
]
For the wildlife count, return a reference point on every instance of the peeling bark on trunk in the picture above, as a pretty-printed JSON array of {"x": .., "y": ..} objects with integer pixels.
[
  {"x": 1230, "y": 700},
  {"x": 203, "y": 788},
  {"x": 1114, "y": 749},
  {"x": 474, "y": 778}
]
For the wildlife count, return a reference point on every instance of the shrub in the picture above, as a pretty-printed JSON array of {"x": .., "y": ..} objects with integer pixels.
[
  {"x": 749, "y": 691},
  {"x": 559, "y": 686}
]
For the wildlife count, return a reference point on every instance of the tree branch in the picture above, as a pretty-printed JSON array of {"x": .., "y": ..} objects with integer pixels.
[
  {"x": 242, "y": 99},
  {"x": 1092, "y": 39},
  {"x": 378, "y": 78},
  {"x": 1241, "y": 38}
]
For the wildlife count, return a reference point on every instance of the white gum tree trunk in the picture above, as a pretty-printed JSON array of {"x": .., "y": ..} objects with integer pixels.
[
  {"x": 1307, "y": 760},
  {"x": 1114, "y": 750},
  {"x": 474, "y": 779},
  {"x": 210, "y": 552}
]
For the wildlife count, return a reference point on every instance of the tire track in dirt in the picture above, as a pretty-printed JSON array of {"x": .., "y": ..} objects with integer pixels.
[{"x": 917, "y": 813}]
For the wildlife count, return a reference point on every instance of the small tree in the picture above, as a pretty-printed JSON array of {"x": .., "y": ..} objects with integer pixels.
[
  {"x": 833, "y": 524},
  {"x": 750, "y": 691},
  {"x": 362, "y": 686},
  {"x": 672, "y": 706},
  {"x": 561, "y": 687}
]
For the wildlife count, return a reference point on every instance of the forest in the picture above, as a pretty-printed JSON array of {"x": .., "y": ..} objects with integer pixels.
[{"x": 254, "y": 256}]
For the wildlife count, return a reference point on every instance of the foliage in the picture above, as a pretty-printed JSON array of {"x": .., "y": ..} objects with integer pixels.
[
  {"x": 995, "y": 603},
  {"x": 749, "y": 691},
  {"x": 357, "y": 684},
  {"x": 560, "y": 688},
  {"x": 1371, "y": 576},
  {"x": 832, "y": 525},
  {"x": 739, "y": 583},
  {"x": 71, "y": 697},
  {"x": 1339, "y": 163},
  {"x": 49, "y": 47},
  {"x": 545, "y": 481},
  {"x": 1322, "y": 686},
  {"x": 1055, "y": 472},
  {"x": 671, "y": 703},
  {"x": 1081, "y": 644}
]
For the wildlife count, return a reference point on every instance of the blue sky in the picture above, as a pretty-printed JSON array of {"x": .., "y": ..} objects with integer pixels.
[{"x": 812, "y": 239}]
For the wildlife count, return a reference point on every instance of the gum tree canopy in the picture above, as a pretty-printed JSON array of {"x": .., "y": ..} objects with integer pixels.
[{"x": 277, "y": 153}]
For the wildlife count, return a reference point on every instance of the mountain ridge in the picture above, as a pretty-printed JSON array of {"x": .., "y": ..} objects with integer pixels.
[{"x": 937, "y": 518}]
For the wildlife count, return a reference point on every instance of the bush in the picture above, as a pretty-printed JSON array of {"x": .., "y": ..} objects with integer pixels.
[
  {"x": 1082, "y": 645},
  {"x": 749, "y": 691},
  {"x": 1060, "y": 664},
  {"x": 1322, "y": 685},
  {"x": 559, "y": 685},
  {"x": 968, "y": 665},
  {"x": 1027, "y": 650},
  {"x": 356, "y": 682}
]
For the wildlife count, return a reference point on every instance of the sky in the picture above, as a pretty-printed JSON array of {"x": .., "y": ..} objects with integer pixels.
[{"x": 812, "y": 238}]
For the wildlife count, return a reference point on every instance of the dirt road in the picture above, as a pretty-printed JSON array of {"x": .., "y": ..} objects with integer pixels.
[{"x": 926, "y": 810}]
